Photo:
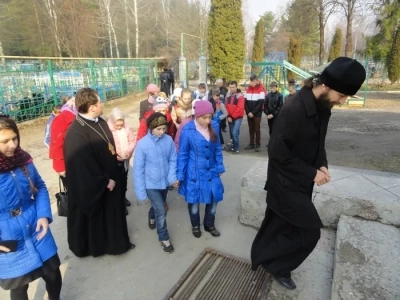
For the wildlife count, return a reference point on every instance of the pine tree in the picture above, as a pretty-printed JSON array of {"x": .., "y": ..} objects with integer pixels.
[
  {"x": 394, "y": 59},
  {"x": 294, "y": 54},
  {"x": 301, "y": 21},
  {"x": 258, "y": 46},
  {"x": 226, "y": 39},
  {"x": 336, "y": 46}
]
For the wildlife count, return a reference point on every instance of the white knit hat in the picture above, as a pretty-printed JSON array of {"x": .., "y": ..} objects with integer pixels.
[{"x": 177, "y": 92}]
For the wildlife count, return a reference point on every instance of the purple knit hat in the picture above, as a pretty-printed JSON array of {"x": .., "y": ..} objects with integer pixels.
[{"x": 202, "y": 108}]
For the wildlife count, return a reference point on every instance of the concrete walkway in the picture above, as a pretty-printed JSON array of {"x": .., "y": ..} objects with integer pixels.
[{"x": 147, "y": 272}]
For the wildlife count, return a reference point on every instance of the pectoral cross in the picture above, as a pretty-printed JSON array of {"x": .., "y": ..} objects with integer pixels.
[{"x": 111, "y": 148}]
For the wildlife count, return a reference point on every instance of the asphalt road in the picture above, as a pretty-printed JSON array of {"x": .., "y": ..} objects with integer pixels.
[{"x": 356, "y": 138}]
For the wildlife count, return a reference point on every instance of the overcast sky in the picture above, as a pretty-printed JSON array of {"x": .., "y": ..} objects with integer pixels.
[{"x": 258, "y": 7}]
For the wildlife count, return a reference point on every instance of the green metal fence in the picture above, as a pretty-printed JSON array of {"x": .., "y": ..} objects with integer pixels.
[{"x": 29, "y": 88}]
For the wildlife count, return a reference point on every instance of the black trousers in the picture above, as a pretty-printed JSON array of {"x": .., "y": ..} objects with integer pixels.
[
  {"x": 271, "y": 125},
  {"x": 281, "y": 247},
  {"x": 53, "y": 286},
  {"x": 222, "y": 125},
  {"x": 124, "y": 177},
  {"x": 221, "y": 137}
]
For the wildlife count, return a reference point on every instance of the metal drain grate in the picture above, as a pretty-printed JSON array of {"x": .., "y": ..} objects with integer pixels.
[{"x": 217, "y": 276}]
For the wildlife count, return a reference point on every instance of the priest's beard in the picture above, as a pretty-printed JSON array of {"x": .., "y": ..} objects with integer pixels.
[{"x": 323, "y": 103}]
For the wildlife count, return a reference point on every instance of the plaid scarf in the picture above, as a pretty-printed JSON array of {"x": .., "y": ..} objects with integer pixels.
[{"x": 19, "y": 158}]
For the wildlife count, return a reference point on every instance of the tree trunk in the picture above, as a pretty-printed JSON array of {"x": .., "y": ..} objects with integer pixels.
[
  {"x": 110, "y": 40},
  {"x": 137, "y": 29},
  {"x": 321, "y": 32},
  {"x": 166, "y": 16},
  {"x": 348, "y": 50},
  {"x": 3, "y": 61},
  {"x": 107, "y": 4},
  {"x": 38, "y": 22},
  {"x": 53, "y": 16},
  {"x": 128, "y": 42}
]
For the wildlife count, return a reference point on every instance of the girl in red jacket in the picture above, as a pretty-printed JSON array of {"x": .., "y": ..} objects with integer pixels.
[{"x": 58, "y": 129}]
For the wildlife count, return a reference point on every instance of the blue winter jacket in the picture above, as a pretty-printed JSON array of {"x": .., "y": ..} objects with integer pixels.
[
  {"x": 200, "y": 163},
  {"x": 14, "y": 193},
  {"x": 154, "y": 165},
  {"x": 47, "y": 131}
]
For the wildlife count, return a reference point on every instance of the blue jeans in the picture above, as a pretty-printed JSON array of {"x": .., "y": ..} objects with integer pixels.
[
  {"x": 209, "y": 216},
  {"x": 234, "y": 130},
  {"x": 158, "y": 212}
]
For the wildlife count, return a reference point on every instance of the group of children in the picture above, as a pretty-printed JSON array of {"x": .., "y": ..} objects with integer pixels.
[{"x": 179, "y": 144}]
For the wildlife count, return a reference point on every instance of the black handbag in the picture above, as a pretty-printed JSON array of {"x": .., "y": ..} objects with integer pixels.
[{"x": 62, "y": 201}]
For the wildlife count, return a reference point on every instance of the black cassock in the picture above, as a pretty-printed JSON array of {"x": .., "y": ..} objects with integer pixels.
[
  {"x": 166, "y": 81},
  {"x": 96, "y": 217},
  {"x": 291, "y": 227}
]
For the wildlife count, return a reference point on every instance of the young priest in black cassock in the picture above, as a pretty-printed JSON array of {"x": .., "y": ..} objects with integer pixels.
[
  {"x": 96, "y": 211},
  {"x": 297, "y": 159}
]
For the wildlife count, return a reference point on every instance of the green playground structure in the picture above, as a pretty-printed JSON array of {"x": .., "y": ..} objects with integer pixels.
[{"x": 274, "y": 67}]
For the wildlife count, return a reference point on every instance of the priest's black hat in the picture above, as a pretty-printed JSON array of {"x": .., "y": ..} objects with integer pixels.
[{"x": 344, "y": 75}]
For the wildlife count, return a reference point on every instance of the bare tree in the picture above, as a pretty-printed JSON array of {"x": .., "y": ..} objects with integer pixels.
[
  {"x": 352, "y": 9},
  {"x": 325, "y": 10},
  {"x": 106, "y": 5},
  {"x": 51, "y": 11},
  {"x": 38, "y": 21},
  {"x": 166, "y": 9},
  {"x": 128, "y": 46}
]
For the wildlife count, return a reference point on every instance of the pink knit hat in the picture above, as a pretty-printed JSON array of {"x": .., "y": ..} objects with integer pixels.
[
  {"x": 202, "y": 108},
  {"x": 152, "y": 88},
  {"x": 160, "y": 102}
]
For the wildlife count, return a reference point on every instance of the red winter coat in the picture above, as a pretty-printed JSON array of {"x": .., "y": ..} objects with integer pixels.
[
  {"x": 235, "y": 105},
  {"x": 58, "y": 130},
  {"x": 142, "y": 130}
]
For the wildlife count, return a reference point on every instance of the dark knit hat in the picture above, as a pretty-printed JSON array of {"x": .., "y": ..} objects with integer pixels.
[
  {"x": 156, "y": 119},
  {"x": 344, "y": 75}
]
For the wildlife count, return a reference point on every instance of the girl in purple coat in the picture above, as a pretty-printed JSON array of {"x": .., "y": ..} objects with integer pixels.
[{"x": 199, "y": 167}]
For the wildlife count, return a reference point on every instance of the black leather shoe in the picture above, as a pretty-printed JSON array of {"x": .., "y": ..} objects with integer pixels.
[
  {"x": 127, "y": 202},
  {"x": 212, "y": 230},
  {"x": 171, "y": 188},
  {"x": 286, "y": 282},
  {"x": 196, "y": 231},
  {"x": 224, "y": 130},
  {"x": 257, "y": 149},
  {"x": 250, "y": 147}
]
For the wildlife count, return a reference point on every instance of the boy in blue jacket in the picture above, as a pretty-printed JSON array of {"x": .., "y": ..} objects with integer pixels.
[
  {"x": 54, "y": 113},
  {"x": 154, "y": 170}
]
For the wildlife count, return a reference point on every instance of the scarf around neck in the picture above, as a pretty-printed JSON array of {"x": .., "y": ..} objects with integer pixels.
[{"x": 19, "y": 158}]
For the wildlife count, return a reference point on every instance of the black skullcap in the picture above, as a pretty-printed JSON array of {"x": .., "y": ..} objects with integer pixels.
[{"x": 344, "y": 75}]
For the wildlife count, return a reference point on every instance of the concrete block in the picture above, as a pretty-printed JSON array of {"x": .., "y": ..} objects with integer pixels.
[
  {"x": 313, "y": 277},
  {"x": 252, "y": 195},
  {"x": 381, "y": 206},
  {"x": 367, "y": 261}
]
